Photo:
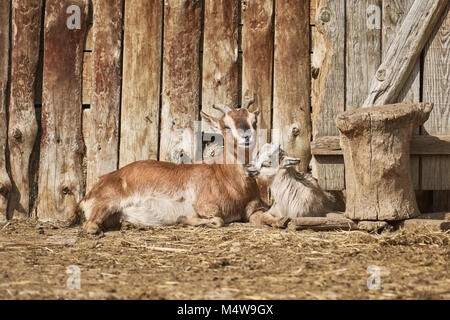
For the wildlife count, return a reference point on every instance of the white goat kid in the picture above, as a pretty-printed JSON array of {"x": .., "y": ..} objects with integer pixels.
[{"x": 295, "y": 194}]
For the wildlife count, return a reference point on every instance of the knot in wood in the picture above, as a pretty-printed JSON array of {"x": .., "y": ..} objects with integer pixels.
[
  {"x": 17, "y": 134},
  {"x": 381, "y": 75},
  {"x": 4, "y": 189},
  {"x": 325, "y": 15},
  {"x": 295, "y": 131},
  {"x": 315, "y": 72},
  {"x": 66, "y": 191}
]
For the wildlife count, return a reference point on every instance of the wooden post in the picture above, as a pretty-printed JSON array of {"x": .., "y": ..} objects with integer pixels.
[
  {"x": 292, "y": 81},
  {"x": 5, "y": 183},
  {"x": 328, "y": 87},
  {"x": 436, "y": 89},
  {"x": 363, "y": 48},
  {"x": 103, "y": 140},
  {"x": 375, "y": 142},
  {"x": 257, "y": 56},
  {"x": 220, "y": 55},
  {"x": 404, "y": 51},
  {"x": 257, "y": 67},
  {"x": 61, "y": 183},
  {"x": 141, "y": 81},
  {"x": 22, "y": 129},
  {"x": 181, "y": 77}
]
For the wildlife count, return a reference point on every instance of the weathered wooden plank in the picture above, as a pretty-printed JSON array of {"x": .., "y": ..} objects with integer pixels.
[
  {"x": 220, "y": 55},
  {"x": 292, "y": 79},
  {"x": 328, "y": 86},
  {"x": 436, "y": 89},
  {"x": 257, "y": 56},
  {"x": 404, "y": 51},
  {"x": 314, "y": 4},
  {"x": 5, "y": 183},
  {"x": 61, "y": 183},
  {"x": 257, "y": 67},
  {"x": 141, "y": 81},
  {"x": 394, "y": 14},
  {"x": 181, "y": 77},
  {"x": 323, "y": 223},
  {"x": 102, "y": 144},
  {"x": 420, "y": 145},
  {"x": 363, "y": 48},
  {"x": 22, "y": 128}
]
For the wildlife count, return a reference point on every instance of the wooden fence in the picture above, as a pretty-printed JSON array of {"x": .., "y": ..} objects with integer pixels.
[{"x": 82, "y": 100}]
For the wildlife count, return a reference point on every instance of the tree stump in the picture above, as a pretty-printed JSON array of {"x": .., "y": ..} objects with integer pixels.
[{"x": 375, "y": 143}]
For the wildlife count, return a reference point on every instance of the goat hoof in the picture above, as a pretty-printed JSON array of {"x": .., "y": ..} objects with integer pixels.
[
  {"x": 216, "y": 223},
  {"x": 283, "y": 223},
  {"x": 91, "y": 228},
  {"x": 181, "y": 219}
]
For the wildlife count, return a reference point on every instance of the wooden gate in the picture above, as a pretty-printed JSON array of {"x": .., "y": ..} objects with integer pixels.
[{"x": 114, "y": 81}]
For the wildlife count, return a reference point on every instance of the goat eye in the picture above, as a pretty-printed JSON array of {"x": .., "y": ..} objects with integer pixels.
[{"x": 266, "y": 164}]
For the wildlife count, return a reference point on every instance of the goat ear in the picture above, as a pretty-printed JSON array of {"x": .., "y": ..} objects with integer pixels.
[{"x": 212, "y": 122}]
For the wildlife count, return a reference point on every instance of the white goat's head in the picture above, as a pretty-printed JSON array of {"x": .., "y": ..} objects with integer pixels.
[{"x": 269, "y": 160}]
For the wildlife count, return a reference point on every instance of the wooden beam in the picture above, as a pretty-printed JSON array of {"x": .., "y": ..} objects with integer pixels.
[
  {"x": 141, "y": 81},
  {"x": 436, "y": 89},
  {"x": 181, "y": 78},
  {"x": 404, "y": 52},
  {"x": 292, "y": 81},
  {"x": 22, "y": 128},
  {"x": 102, "y": 143},
  {"x": 5, "y": 183},
  {"x": 363, "y": 48},
  {"x": 220, "y": 55},
  {"x": 420, "y": 145},
  {"x": 328, "y": 223},
  {"x": 61, "y": 178},
  {"x": 328, "y": 86}
]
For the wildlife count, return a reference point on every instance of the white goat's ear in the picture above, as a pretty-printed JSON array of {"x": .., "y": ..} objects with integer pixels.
[
  {"x": 212, "y": 122},
  {"x": 287, "y": 162}
]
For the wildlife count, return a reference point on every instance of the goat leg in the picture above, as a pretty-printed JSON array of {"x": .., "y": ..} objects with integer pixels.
[
  {"x": 265, "y": 218},
  {"x": 215, "y": 222}
]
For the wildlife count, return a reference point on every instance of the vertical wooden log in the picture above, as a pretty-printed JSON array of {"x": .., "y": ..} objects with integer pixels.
[
  {"x": 5, "y": 183},
  {"x": 61, "y": 183},
  {"x": 141, "y": 81},
  {"x": 220, "y": 55},
  {"x": 363, "y": 48},
  {"x": 22, "y": 129},
  {"x": 103, "y": 149},
  {"x": 292, "y": 83},
  {"x": 394, "y": 13},
  {"x": 181, "y": 77},
  {"x": 257, "y": 59},
  {"x": 436, "y": 89},
  {"x": 328, "y": 86}
]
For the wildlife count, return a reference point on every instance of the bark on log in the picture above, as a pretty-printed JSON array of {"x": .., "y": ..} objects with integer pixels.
[
  {"x": 22, "y": 129},
  {"x": 181, "y": 78},
  {"x": 61, "y": 183},
  {"x": 404, "y": 51},
  {"x": 102, "y": 144},
  {"x": 5, "y": 183},
  {"x": 323, "y": 223},
  {"x": 375, "y": 142}
]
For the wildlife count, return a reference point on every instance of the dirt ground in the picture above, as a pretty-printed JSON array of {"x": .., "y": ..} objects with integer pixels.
[{"x": 238, "y": 261}]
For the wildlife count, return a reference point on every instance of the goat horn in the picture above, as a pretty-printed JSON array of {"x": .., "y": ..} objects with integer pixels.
[
  {"x": 222, "y": 108},
  {"x": 248, "y": 103}
]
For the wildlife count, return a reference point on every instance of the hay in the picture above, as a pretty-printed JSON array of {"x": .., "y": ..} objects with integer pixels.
[{"x": 235, "y": 262}]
